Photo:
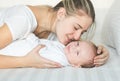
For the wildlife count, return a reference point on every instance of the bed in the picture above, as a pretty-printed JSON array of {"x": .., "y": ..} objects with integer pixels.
[{"x": 108, "y": 72}]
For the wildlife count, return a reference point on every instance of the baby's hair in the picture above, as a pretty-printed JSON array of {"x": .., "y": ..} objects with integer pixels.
[{"x": 90, "y": 64}]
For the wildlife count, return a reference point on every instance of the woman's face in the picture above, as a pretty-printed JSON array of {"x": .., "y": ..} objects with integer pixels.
[{"x": 72, "y": 27}]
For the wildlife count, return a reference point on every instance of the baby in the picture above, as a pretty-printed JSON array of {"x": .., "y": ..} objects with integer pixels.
[
  {"x": 81, "y": 53},
  {"x": 76, "y": 53}
]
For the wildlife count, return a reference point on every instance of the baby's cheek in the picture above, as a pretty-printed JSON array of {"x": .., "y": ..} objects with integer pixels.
[{"x": 66, "y": 51}]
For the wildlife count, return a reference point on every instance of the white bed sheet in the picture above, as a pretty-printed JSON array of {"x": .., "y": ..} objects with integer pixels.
[{"x": 108, "y": 72}]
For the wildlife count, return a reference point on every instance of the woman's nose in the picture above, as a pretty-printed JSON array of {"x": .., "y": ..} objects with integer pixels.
[{"x": 77, "y": 35}]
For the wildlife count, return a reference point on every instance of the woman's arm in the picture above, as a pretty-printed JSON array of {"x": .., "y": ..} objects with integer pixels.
[
  {"x": 11, "y": 62},
  {"x": 102, "y": 57},
  {"x": 5, "y": 36},
  {"x": 32, "y": 59}
]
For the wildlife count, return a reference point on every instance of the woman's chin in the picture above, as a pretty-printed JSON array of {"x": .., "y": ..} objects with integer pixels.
[{"x": 63, "y": 42}]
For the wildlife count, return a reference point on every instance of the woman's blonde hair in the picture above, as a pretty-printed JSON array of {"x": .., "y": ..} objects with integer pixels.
[{"x": 73, "y": 6}]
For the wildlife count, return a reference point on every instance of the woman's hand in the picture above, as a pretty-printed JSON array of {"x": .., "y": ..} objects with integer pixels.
[
  {"x": 33, "y": 59},
  {"x": 102, "y": 57}
]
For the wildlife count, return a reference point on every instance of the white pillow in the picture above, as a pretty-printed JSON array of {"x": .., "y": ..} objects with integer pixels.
[
  {"x": 111, "y": 29},
  {"x": 115, "y": 31}
]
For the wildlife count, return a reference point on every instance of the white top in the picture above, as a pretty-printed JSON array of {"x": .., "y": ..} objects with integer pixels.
[
  {"x": 20, "y": 20},
  {"x": 53, "y": 50}
]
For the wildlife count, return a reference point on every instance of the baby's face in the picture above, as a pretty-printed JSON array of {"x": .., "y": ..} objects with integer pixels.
[{"x": 78, "y": 53}]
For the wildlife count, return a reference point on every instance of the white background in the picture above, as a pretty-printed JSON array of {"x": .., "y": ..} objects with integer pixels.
[{"x": 7, "y": 3}]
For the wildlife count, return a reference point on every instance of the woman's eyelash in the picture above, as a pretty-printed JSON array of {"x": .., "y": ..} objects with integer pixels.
[{"x": 75, "y": 28}]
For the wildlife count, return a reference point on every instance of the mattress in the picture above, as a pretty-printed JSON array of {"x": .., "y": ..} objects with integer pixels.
[{"x": 108, "y": 72}]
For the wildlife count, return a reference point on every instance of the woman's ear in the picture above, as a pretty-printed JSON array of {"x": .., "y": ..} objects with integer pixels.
[{"x": 61, "y": 13}]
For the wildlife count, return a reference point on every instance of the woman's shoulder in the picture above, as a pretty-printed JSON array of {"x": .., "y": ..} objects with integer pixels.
[{"x": 20, "y": 20}]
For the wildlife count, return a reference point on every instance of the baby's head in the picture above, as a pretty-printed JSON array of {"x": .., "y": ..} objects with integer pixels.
[{"x": 81, "y": 53}]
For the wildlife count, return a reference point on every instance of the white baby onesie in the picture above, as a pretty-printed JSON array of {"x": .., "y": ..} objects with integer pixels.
[{"x": 53, "y": 51}]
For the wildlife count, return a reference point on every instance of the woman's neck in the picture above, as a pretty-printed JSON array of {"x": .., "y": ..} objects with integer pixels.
[{"x": 45, "y": 17}]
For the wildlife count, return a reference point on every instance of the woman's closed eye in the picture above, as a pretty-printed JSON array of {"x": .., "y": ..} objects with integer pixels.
[
  {"x": 84, "y": 31},
  {"x": 75, "y": 28}
]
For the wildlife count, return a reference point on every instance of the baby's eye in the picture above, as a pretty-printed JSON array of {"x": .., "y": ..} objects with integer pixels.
[
  {"x": 77, "y": 53},
  {"x": 78, "y": 43}
]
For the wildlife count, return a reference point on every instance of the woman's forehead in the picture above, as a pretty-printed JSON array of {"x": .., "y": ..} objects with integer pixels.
[{"x": 83, "y": 21}]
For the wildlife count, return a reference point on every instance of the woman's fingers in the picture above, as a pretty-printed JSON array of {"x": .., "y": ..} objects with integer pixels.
[
  {"x": 102, "y": 57},
  {"x": 104, "y": 53},
  {"x": 48, "y": 62},
  {"x": 100, "y": 61},
  {"x": 35, "y": 60},
  {"x": 99, "y": 50},
  {"x": 49, "y": 66},
  {"x": 37, "y": 49}
]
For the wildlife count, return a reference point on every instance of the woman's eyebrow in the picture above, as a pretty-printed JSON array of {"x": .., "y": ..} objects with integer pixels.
[{"x": 81, "y": 27}]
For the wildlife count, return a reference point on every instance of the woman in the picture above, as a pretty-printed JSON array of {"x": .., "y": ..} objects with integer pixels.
[{"x": 69, "y": 19}]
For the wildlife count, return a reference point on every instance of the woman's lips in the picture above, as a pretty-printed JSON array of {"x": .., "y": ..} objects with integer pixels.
[{"x": 67, "y": 40}]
